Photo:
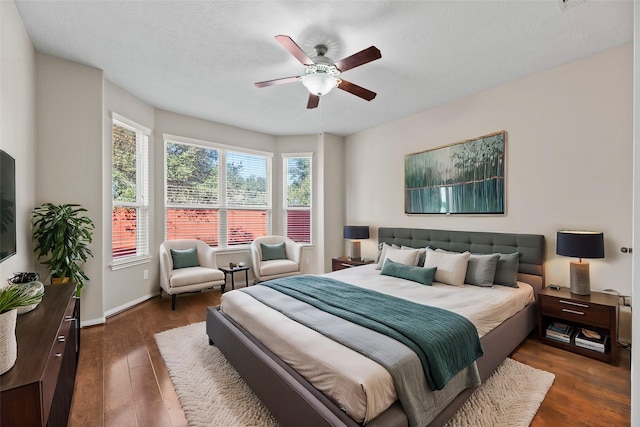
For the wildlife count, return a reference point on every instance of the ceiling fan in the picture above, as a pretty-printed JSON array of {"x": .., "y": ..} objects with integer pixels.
[{"x": 320, "y": 72}]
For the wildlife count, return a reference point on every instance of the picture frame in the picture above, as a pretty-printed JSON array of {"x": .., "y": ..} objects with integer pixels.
[{"x": 466, "y": 177}]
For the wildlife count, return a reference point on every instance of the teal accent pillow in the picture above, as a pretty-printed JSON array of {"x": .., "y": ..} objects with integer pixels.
[
  {"x": 481, "y": 269},
  {"x": 271, "y": 252},
  {"x": 183, "y": 258},
  {"x": 507, "y": 270},
  {"x": 410, "y": 272}
]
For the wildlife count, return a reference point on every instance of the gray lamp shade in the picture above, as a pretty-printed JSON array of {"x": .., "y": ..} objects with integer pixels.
[
  {"x": 580, "y": 244},
  {"x": 355, "y": 232}
]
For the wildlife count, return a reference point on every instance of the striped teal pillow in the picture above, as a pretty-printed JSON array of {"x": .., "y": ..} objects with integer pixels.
[{"x": 410, "y": 272}]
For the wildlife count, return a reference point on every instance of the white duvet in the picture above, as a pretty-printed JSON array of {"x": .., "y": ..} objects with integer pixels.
[{"x": 361, "y": 387}]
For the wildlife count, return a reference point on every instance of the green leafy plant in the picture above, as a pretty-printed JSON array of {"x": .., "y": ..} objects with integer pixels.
[
  {"x": 16, "y": 296},
  {"x": 61, "y": 235}
]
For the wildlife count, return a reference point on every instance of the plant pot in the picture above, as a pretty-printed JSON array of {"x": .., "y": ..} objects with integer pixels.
[
  {"x": 59, "y": 280},
  {"x": 31, "y": 288},
  {"x": 8, "y": 343}
]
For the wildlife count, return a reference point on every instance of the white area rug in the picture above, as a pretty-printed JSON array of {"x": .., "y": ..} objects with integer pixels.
[{"x": 213, "y": 394}]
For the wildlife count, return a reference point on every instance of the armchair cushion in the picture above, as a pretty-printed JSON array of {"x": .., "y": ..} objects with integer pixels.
[
  {"x": 183, "y": 258},
  {"x": 273, "y": 252},
  {"x": 277, "y": 267},
  {"x": 193, "y": 275}
]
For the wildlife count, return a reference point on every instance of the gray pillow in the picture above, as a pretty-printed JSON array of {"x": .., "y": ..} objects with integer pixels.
[
  {"x": 271, "y": 252},
  {"x": 410, "y": 272},
  {"x": 507, "y": 270},
  {"x": 481, "y": 269},
  {"x": 183, "y": 258}
]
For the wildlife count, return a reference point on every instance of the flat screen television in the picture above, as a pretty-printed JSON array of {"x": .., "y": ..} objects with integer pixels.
[{"x": 7, "y": 206}]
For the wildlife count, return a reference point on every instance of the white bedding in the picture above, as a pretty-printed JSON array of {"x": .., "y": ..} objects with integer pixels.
[{"x": 361, "y": 387}]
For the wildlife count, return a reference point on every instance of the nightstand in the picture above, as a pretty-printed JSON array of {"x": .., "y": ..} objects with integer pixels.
[
  {"x": 597, "y": 311},
  {"x": 343, "y": 262}
]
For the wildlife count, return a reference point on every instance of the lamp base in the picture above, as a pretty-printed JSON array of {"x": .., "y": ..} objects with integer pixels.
[
  {"x": 579, "y": 276},
  {"x": 355, "y": 250}
]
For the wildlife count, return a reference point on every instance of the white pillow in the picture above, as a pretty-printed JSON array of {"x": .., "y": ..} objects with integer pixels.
[
  {"x": 451, "y": 268},
  {"x": 406, "y": 257},
  {"x": 382, "y": 250}
]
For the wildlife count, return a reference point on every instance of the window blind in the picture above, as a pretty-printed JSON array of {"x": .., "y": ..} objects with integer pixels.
[
  {"x": 130, "y": 191},
  {"x": 297, "y": 197}
]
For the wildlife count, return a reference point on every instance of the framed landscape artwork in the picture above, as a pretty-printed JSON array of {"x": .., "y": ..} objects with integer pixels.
[{"x": 466, "y": 177}]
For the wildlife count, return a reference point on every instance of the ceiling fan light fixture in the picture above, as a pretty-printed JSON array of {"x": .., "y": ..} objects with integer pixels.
[{"x": 319, "y": 83}]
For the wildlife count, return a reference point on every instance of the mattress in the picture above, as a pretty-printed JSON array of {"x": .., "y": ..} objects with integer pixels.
[{"x": 360, "y": 386}]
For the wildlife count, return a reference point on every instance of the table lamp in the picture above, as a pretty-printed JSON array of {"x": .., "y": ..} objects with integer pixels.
[
  {"x": 355, "y": 233},
  {"x": 580, "y": 244}
]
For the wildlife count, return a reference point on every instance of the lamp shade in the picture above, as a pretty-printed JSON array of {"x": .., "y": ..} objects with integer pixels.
[
  {"x": 580, "y": 244},
  {"x": 356, "y": 232}
]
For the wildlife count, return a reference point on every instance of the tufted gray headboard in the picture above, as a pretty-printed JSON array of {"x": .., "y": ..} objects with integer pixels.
[{"x": 530, "y": 246}]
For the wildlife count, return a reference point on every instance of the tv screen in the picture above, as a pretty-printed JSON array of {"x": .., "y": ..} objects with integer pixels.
[{"x": 7, "y": 206}]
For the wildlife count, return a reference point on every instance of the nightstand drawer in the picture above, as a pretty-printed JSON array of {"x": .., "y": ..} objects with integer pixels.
[{"x": 577, "y": 311}]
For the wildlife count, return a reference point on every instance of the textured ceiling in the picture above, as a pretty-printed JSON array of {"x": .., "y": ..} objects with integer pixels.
[{"x": 201, "y": 58}]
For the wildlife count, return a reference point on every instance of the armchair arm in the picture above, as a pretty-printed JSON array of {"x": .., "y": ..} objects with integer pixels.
[
  {"x": 294, "y": 251},
  {"x": 166, "y": 264},
  {"x": 255, "y": 259},
  {"x": 208, "y": 256}
]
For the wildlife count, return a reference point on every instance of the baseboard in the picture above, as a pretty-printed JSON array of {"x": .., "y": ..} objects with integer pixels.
[
  {"x": 130, "y": 304},
  {"x": 93, "y": 322}
]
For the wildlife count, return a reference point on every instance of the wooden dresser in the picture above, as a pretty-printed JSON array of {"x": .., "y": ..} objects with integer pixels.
[{"x": 37, "y": 390}]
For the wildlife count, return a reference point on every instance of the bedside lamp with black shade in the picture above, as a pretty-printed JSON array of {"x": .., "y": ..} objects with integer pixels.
[
  {"x": 356, "y": 233},
  {"x": 580, "y": 244}
]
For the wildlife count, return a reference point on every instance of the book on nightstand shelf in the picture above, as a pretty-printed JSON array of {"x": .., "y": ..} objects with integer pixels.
[
  {"x": 560, "y": 332},
  {"x": 592, "y": 340}
]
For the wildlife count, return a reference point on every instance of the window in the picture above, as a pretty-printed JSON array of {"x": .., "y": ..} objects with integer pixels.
[
  {"x": 216, "y": 195},
  {"x": 130, "y": 190},
  {"x": 247, "y": 215},
  {"x": 297, "y": 200}
]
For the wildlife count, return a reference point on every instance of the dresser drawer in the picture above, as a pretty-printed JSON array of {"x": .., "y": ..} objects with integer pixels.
[
  {"x": 577, "y": 311},
  {"x": 54, "y": 363}
]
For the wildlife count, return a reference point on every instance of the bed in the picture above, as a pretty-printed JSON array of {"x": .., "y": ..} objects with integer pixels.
[{"x": 295, "y": 401}]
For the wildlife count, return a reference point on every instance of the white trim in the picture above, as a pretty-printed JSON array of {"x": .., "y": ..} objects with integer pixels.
[
  {"x": 99, "y": 321},
  {"x": 235, "y": 249},
  {"x": 130, "y": 262},
  {"x": 288, "y": 155},
  {"x": 130, "y": 304},
  {"x": 130, "y": 123},
  {"x": 200, "y": 142}
]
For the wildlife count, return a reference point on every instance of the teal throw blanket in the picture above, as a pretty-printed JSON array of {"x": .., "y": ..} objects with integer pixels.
[{"x": 445, "y": 342}]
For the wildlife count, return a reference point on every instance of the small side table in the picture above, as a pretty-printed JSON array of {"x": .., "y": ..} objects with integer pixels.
[{"x": 228, "y": 271}]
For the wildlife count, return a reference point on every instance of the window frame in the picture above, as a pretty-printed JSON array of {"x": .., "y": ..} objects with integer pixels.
[
  {"x": 222, "y": 207},
  {"x": 285, "y": 187},
  {"x": 143, "y": 194}
]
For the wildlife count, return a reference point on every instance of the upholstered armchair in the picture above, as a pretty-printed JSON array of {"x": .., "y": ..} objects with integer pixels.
[
  {"x": 191, "y": 267},
  {"x": 275, "y": 256}
]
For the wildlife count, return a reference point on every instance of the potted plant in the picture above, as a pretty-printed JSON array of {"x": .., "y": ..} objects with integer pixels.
[
  {"x": 12, "y": 298},
  {"x": 61, "y": 235}
]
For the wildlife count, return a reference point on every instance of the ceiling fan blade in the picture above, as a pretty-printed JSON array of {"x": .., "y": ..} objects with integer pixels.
[
  {"x": 294, "y": 49},
  {"x": 277, "y": 81},
  {"x": 367, "y": 55},
  {"x": 313, "y": 101},
  {"x": 357, "y": 90}
]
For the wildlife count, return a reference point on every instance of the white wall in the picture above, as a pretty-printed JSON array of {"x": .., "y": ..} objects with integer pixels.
[
  {"x": 69, "y": 135},
  {"x": 127, "y": 286},
  {"x": 569, "y": 161},
  {"x": 17, "y": 128},
  {"x": 332, "y": 181}
]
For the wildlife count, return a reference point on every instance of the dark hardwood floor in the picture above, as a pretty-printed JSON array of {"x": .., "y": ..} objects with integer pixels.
[{"x": 122, "y": 379}]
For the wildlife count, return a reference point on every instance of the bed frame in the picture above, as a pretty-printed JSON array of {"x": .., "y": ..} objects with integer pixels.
[{"x": 294, "y": 401}]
